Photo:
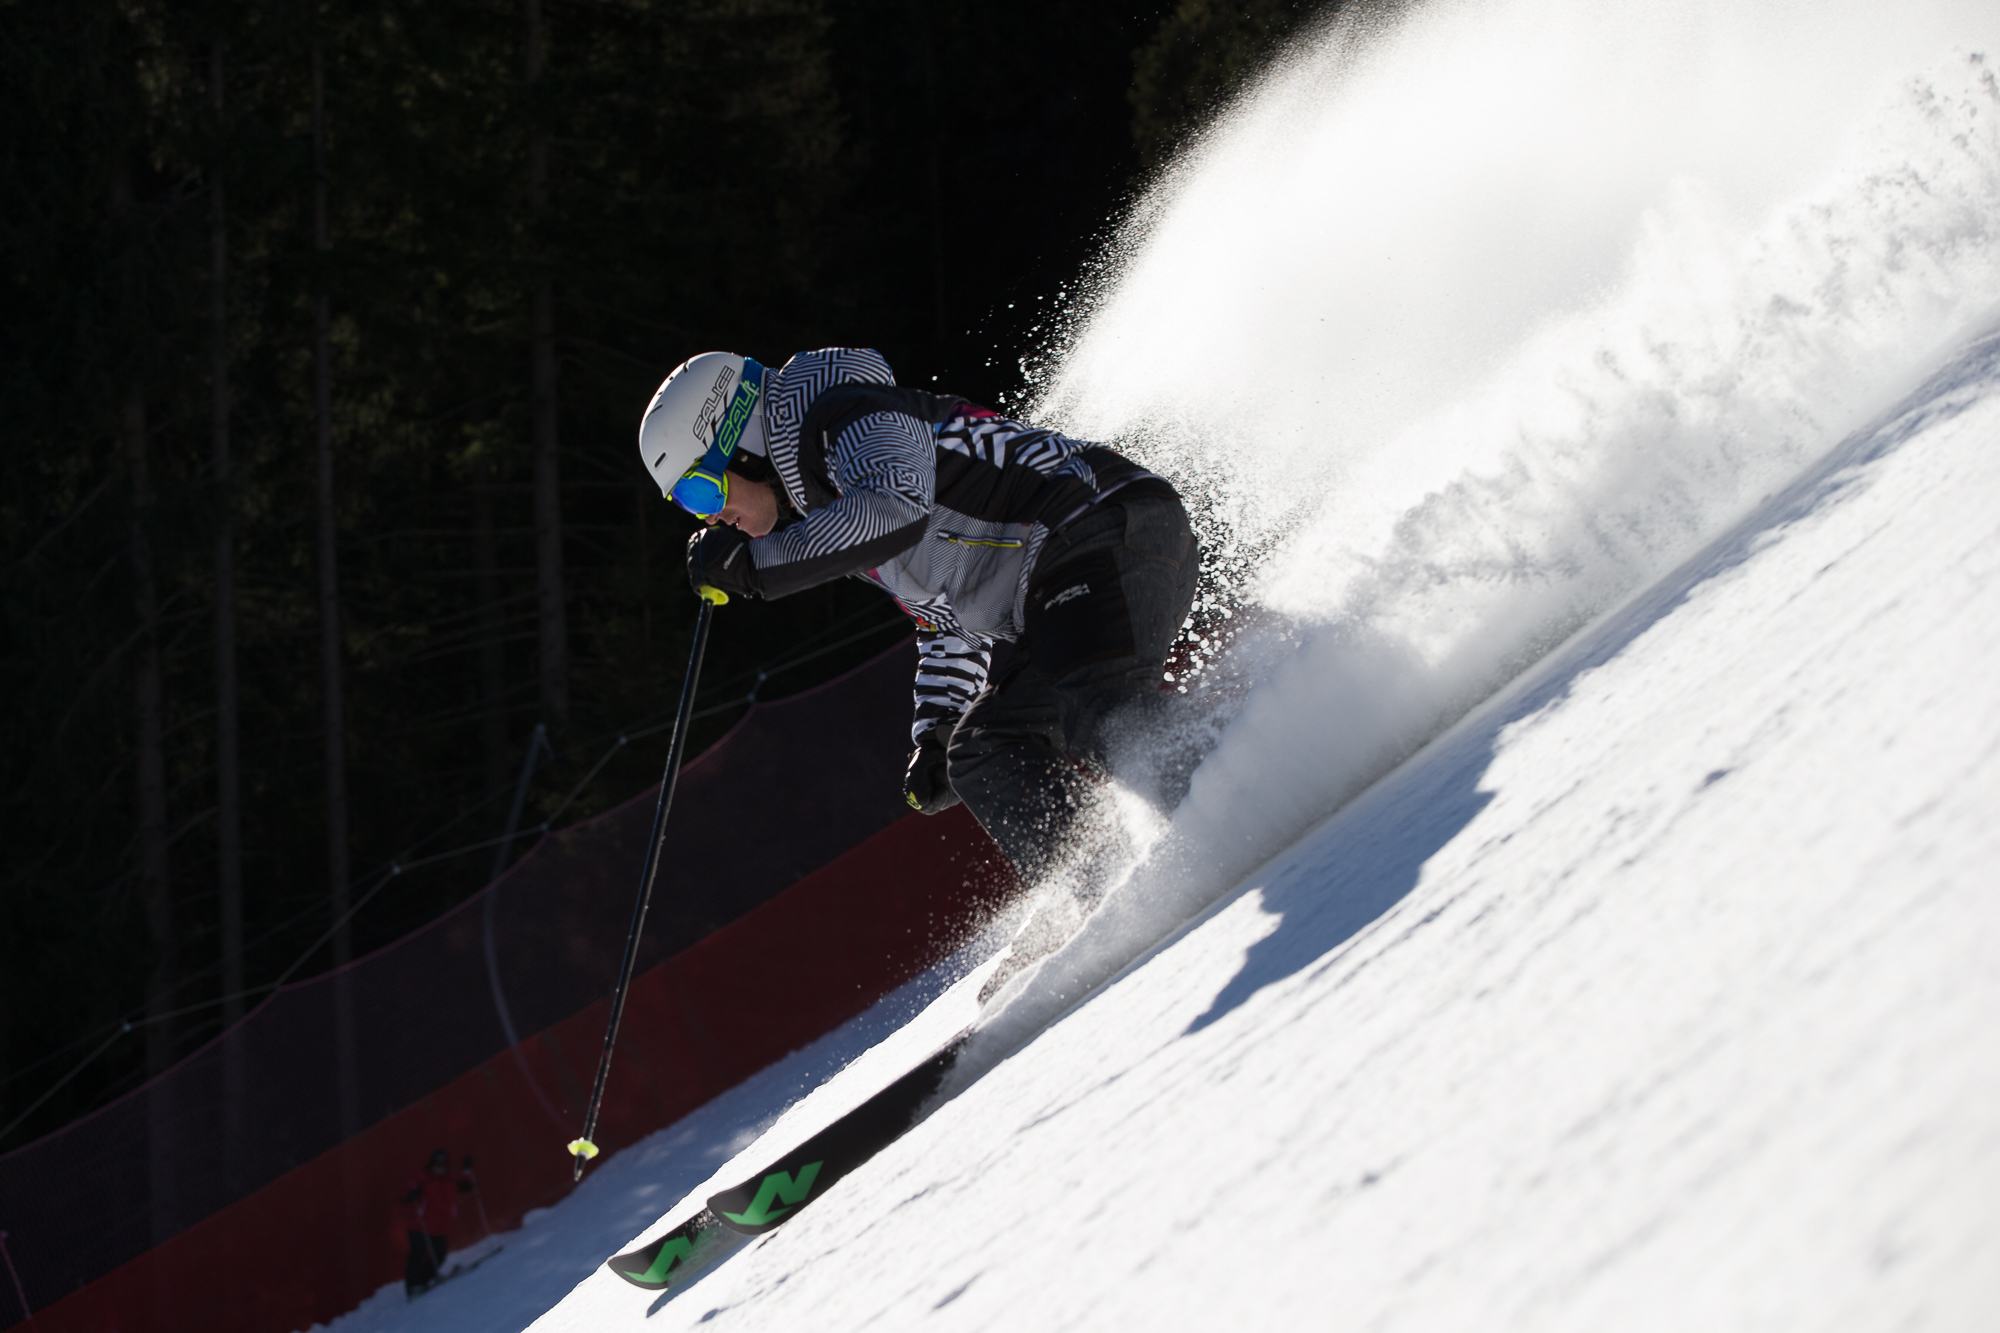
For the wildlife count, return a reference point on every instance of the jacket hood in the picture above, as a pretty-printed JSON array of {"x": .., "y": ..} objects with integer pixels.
[{"x": 790, "y": 394}]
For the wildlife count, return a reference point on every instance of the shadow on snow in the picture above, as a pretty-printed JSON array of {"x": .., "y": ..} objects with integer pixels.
[{"x": 1379, "y": 843}]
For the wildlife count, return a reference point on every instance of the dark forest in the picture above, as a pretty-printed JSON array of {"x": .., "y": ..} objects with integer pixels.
[{"x": 327, "y": 331}]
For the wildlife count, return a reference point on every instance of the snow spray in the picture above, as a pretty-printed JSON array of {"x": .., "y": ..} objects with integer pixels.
[{"x": 1466, "y": 323}]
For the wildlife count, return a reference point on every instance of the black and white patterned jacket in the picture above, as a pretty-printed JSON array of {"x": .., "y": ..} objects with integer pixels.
[{"x": 944, "y": 504}]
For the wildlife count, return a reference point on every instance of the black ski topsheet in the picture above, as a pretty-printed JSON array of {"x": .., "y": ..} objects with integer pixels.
[
  {"x": 769, "y": 1198},
  {"x": 663, "y": 1262}
]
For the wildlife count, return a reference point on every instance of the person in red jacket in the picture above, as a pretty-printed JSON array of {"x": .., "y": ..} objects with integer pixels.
[{"x": 432, "y": 1202}]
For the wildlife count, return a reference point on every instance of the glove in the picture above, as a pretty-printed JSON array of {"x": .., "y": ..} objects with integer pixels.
[
  {"x": 926, "y": 786},
  {"x": 719, "y": 557}
]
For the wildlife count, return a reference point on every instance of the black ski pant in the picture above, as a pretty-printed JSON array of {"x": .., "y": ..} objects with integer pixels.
[
  {"x": 427, "y": 1254},
  {"x": 1108, "y": 597}
]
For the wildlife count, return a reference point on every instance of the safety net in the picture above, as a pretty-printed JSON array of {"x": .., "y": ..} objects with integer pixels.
[{"x": 321, "y": 1060}]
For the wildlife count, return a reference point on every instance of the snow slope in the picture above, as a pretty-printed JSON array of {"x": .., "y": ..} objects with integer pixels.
[
  {"x": 1643, "y": 977},
  {"x": 1658, "y": 993}
]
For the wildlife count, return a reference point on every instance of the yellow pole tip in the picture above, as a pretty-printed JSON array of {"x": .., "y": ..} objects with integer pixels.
[
  {"x": 713, "y": 596},
  {"x": 583, "y": 1148}
]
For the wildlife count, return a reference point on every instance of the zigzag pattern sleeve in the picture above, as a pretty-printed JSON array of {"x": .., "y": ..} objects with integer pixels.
[
  {"x": 885, "y": 468},
  {"x": 951, "y": 671},
  {"x": 997, "y": 440}
]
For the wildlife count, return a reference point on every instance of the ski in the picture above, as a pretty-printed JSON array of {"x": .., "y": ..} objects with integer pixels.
[
  {"x": 672, "y": 1258},
  {"x": 459, "y": 1270},
  {"x": 770, "y": 1198}
]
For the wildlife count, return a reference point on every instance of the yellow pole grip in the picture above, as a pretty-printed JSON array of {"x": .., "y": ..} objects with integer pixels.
[{"x": 713, "y": 596}]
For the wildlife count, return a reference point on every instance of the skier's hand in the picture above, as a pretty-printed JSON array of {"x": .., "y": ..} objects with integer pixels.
[
  {"x": 719, "y": 557},
  {"x": 925, "y": 785}
]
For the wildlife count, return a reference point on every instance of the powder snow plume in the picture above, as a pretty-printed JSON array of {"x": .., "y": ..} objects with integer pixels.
[{"x": 1464, "y": 325}]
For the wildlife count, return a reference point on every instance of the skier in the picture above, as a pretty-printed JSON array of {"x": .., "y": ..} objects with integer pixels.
[
  {"x": 986, "y": 531},
  {"x": 432, "y": 1203}
]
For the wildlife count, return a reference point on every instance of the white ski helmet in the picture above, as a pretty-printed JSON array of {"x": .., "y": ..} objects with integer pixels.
[{"x": 712, "y": 403}]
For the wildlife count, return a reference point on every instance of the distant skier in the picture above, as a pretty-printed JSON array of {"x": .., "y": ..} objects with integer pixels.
[
  {"x": 431, "y": 1203},
  {"x": 985, "y": 530}
]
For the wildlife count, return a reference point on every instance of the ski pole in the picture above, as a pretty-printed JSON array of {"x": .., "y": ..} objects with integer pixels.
[{"x": 583, "y": 1149}]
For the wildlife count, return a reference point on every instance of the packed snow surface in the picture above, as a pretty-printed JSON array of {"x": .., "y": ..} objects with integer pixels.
[{"x": 1587, "y": 916}]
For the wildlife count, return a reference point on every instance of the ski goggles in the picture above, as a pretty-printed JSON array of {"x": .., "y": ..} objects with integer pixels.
[{"x": 703, "y": 489}]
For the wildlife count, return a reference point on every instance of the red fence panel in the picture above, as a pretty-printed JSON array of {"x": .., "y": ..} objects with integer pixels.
[
  {"x": 321, "y": 1238},
  {"x": 273, "y": 1093}
]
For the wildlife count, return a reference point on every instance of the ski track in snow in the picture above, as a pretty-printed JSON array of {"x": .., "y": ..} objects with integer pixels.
[{"x": 1654, "y": 991}]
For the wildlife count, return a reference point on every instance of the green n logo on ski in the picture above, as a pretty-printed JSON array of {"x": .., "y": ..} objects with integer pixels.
[
  {"x": 768, "y": 1199},
  {"x": 778, "y": 1187},
  {"x": 677, "y": 1249},
  {"x": 669, "y": 1259}
]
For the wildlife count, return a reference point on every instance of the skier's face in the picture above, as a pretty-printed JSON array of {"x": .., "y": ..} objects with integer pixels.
[{"x": 752, "y": 507}]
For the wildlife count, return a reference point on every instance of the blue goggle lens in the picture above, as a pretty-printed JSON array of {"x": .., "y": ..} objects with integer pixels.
[{"x": 700, "y": 493}]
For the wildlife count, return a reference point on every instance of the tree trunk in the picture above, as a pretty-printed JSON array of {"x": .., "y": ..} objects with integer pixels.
[
  {"x": 150, "y": 761},
  {"x": 927, "y": 34},
  {"x": 492, "y": 653},
  {"x": 329, "y": 621},
  {"x": 229, "y": 811},
  {"x": 155, "y": 889},
  {"x": 228, "y": 774},
  {"x": 553, "y": 633}
]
